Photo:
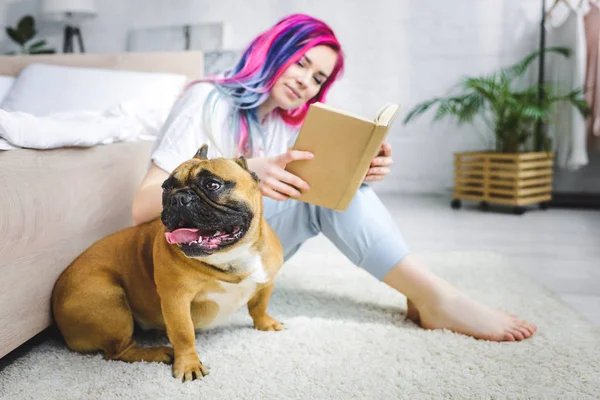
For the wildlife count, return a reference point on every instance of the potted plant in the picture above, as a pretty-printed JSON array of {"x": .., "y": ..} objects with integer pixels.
[
  {"x": 517, "y": 170},
  {"x": 24, "y": 35}
]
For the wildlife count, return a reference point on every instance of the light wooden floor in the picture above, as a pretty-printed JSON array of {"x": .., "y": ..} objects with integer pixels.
[{"x": 560, "y": 248}]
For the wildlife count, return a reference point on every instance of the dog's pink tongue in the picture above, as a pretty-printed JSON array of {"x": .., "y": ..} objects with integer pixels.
[{"x": 183, "y": 235}]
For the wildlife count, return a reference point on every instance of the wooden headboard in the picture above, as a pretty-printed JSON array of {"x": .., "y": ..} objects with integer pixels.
[{"x": 189, "y": 63}]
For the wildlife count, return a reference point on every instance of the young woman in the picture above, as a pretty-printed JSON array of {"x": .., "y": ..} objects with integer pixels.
[{"x": 256, "y": 110}]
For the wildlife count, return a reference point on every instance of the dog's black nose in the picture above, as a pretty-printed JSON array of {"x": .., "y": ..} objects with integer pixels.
[{"x": 181, "y": 198}]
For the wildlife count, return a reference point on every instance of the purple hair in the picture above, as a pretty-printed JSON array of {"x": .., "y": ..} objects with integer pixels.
[{"x": 249, "y": 82}]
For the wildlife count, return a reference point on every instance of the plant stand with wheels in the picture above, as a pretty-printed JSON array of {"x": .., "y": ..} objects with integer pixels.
[{"x": 514, "y": 179}]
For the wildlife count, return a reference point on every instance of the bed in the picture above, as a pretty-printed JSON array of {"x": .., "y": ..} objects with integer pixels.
[{"x": 56, "y": 202}]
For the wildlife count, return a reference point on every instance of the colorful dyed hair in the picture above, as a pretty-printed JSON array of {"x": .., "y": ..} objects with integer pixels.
[{"x": 267, "y": 57}]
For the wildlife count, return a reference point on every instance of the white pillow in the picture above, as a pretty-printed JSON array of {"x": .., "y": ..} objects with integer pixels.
[
  {"x": 42, "y": 89},
  {"x": 125, "y": 122},
  {"x": 6, "y": 83}
]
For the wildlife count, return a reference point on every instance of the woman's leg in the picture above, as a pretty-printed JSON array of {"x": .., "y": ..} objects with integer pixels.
[
  {"x": 436, "y": 304},
  {"x": 291, "y": 222},
  {"x": 367, "y": 235},
  {"x": 368, "y": 239}
]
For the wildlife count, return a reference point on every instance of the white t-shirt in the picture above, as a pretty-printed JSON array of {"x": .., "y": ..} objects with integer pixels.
[{"x": 183, "y": 132}]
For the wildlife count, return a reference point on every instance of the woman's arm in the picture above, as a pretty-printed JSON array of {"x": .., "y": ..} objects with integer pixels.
[
  {"x": 147, "y": 201},
  {"x": 275, "y": 183}
]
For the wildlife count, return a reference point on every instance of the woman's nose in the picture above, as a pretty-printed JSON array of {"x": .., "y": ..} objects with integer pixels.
[{"x": 303, "y": 79}]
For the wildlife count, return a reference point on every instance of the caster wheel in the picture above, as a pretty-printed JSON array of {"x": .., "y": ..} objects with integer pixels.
[
  {"x": 484, "y": 206},
  {"x": 519, "y": 210},
  {"x": 544, "y": 205},
  {"x": 455, "y": 204}
]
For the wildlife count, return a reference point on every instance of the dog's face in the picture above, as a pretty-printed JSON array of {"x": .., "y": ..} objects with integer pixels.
[{"x": 209, "y": 205}]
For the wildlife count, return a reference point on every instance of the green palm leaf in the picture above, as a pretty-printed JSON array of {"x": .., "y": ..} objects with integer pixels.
[
  {"x": 514, "y": 112},
  {"x": 420, "y": 109},
  {"x": 520, "y": 68}
]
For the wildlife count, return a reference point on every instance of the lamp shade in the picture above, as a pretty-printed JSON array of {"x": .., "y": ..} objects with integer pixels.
[{"x": 68, "y": 9}]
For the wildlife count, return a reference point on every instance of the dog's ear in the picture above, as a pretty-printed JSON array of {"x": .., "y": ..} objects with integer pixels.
[
  {"x": 202, "y": 152},
  {"x": 241, "y": 161}
]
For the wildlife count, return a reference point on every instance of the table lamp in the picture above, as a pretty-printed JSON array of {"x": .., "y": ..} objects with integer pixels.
[{"x": 71, "y": 13}]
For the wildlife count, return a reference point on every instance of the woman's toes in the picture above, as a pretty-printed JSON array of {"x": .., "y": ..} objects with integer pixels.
[
  {"x": 525, "y": 332},
  {"x": 508, "y": 336},
  {"x": 517, "y": 334},
  {"x": 526, "y": 328},
  {"x": 532, "y": 328}
]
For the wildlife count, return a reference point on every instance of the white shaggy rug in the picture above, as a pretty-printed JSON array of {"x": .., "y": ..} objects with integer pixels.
[{"x": 347, "y": 337}]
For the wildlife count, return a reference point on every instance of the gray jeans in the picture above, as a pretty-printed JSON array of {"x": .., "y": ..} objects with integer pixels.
[{"x": 365, "y": 232}]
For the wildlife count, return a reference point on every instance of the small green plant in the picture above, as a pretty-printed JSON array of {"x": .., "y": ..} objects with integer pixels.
[
  {"x": 512, "y": 114},
  {"x": 24, "y": 35}
]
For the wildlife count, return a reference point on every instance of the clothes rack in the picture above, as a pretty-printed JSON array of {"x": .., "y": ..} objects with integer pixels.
[{"x": 571, "y": 199}]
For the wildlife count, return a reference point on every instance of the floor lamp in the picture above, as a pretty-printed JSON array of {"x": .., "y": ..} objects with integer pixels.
[{"x": 71, "y": 13}]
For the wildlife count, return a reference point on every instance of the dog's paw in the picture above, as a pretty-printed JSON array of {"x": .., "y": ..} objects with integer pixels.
[
  {"x": 165, "y": 355},
  {"x": 267, "y": 323},
  {"x": 188, "y": 369}
]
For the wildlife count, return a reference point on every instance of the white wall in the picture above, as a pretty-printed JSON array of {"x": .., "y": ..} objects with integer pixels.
[{"x": 397, "y": 50}]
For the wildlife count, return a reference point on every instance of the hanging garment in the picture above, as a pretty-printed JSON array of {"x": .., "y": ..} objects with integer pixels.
[
  {"x": 592, "y": 95},
  {"x": 567, "y": 126},
  {"x": 592, "y": 77}
]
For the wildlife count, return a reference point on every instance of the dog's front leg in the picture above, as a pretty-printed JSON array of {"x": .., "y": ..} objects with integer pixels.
[
  {"x": 180, "y": 329},
  {"x": 257, "y": 307}
]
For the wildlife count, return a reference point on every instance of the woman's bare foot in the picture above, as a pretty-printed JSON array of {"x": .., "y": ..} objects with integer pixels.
[
  {"x": 464, "y": 315},
  {"x": 412, "y": 312},
  {"x": 435, "y": 304}
]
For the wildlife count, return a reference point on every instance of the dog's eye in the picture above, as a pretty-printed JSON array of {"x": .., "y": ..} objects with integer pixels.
[{"x": 212, "y": 185}]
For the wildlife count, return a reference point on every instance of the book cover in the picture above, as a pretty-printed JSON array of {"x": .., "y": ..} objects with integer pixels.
[{"x": 344, "y": 146}]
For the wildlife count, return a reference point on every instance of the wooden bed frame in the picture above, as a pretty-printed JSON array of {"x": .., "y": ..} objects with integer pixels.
[
  {"x": 189, "y": 63},
  {"x": 41, "y": 237}
]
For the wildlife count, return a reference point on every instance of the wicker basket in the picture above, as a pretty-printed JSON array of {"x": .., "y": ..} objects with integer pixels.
[{"x": 518, "y": 179}]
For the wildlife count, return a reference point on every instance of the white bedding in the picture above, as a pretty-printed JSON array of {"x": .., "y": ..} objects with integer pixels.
[
  {"x": 124, "y": 122},
  {"x": 51, "y": 106}
]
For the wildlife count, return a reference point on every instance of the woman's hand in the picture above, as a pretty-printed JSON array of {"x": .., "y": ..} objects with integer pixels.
[
  {"x": 275, "y": 181},
  {"x": 380, "y": 166}
]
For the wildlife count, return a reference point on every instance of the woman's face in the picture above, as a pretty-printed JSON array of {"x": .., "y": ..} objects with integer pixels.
[{"x": 303, "y": 80}]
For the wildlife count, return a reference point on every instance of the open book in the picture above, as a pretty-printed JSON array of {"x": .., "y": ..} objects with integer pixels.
[{"x": 344, "y": 146}]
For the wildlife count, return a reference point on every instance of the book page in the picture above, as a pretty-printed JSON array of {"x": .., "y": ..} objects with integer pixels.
[
  {"x": 386, "y": 114},
  {"x": 337, "y": 110}
]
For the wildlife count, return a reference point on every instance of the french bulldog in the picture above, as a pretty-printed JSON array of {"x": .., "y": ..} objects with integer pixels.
[{"x": 210, "y": 253}]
